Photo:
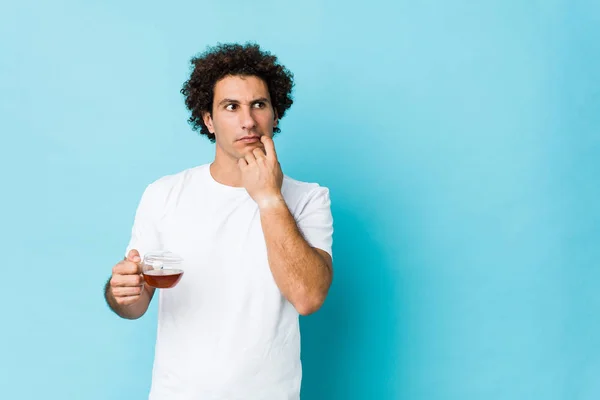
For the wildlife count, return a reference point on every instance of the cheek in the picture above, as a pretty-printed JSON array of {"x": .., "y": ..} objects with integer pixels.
[
  {"x": 267, "y": 119},
  {"x": 223, "y": 124}
]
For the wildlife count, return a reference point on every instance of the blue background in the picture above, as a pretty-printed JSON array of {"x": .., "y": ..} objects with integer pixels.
[{"x": 460, "y": 141}]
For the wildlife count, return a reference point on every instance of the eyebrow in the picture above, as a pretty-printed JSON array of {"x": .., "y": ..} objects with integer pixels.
[{"x": 232, "y": 101}]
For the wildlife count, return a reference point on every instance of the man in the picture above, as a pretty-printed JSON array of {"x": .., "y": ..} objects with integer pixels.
[{"x": 256, "y": 244}]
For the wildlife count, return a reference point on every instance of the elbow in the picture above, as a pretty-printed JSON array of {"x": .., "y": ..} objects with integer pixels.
[{"x": 308, "y": 305}]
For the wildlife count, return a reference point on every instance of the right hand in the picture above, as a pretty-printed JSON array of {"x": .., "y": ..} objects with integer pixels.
[{"x": 127, "y": 282}]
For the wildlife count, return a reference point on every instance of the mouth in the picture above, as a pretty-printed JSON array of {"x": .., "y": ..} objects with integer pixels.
[{"x": 249, "y": 139}]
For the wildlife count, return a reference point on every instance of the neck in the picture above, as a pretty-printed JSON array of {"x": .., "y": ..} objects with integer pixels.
[{"x": 225, "y": 169}]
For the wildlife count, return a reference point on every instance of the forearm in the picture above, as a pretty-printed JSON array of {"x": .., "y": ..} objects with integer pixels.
[
  {"x": 131, "y": 311},
  {"x": 301, "y": 273}
]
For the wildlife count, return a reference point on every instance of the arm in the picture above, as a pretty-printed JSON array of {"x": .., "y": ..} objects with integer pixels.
[
  {"x": 125, "y": 292},
  {"x": 302, "y": 273}
]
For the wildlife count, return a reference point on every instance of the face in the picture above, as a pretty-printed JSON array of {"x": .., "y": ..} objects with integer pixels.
[{"x": 242, "y": 113}]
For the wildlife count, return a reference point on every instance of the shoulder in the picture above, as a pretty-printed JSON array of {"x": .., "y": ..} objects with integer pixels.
[
  {"x": 168, "y": 182},
  {"x": 168, "y": 186},
  {"x": 299, "y": 194},
  {"x": 296, "y": 188}
]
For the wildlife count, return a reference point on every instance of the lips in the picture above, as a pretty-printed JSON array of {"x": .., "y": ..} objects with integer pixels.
[{"x": 249, "y": 139}]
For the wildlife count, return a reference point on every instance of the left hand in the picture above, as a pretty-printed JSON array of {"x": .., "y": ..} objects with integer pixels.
[{"x": 261, "y": 174}]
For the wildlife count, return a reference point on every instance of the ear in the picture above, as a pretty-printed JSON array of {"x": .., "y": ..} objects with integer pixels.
[
  {"x": 208, "y": 121},
  {"x": 276, "y": 119}
]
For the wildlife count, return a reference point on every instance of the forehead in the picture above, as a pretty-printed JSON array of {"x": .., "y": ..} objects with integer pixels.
[{"x": 241, "y": 88}]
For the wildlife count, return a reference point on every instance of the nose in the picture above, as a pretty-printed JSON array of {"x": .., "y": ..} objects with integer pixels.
[{"x": 247, "y": 119}]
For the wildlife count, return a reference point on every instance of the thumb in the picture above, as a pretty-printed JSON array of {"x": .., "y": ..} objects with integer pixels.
[{"x": 133, "y": 256}]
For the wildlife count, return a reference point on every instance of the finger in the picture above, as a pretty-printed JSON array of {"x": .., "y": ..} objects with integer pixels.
[
  {"x": 133, "y": 256},
  {"x": 126, "y": 280},
  {"x": 127, "y": 268},
  {"x": 250, "y": 159},
  {"x": 127, "y": 300},
  {"x": 242, "y": 162},
  {"x": 127, "y": 291},
  {"x": 269, "y": 147},
  {"x": 258, "y": 153}
]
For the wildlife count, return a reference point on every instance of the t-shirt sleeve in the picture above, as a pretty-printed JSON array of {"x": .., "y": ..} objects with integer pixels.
[
  {"x": 315, "y": 222},
  {"x": 144, "y": 233}
]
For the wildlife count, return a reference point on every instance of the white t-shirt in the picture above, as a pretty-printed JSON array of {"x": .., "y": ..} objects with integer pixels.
[{"x": 225, "y": 331}]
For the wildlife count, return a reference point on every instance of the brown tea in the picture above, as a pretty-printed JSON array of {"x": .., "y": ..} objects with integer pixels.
[{"x": 163, "y": 278}]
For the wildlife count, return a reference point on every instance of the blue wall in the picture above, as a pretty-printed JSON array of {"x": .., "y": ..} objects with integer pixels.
[{"x": 460, "y": 141}]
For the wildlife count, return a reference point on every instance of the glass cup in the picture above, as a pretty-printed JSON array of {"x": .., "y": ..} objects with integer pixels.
[{"x": 162, "y": 269}]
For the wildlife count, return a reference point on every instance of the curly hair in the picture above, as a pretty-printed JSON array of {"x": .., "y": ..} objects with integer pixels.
[{"x": 234, "y": 60}]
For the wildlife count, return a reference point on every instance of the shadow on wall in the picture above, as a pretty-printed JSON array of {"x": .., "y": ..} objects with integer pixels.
[{"x": 350, "y": 348}]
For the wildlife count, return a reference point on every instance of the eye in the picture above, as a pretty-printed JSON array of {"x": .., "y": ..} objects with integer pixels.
[
  {"x": 231, "y": 107},
  {"x": 259, "y": 104}
]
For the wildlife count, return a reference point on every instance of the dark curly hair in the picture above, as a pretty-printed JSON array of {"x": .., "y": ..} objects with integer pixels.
[{"x": 230, "y": 60}]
